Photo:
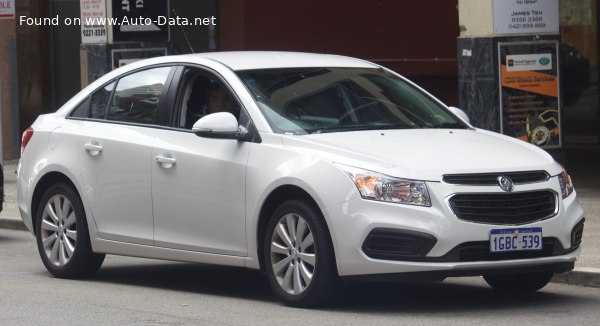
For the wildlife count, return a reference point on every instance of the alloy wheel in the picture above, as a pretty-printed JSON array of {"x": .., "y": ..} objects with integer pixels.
[
  {"x": 293, "y": 254},
  {"x": 59, "y": 230}
]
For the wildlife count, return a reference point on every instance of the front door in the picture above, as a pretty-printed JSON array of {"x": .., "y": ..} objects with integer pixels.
[
  {"x": 198, "y": 190},
  {"x": 198, "y": 184}
]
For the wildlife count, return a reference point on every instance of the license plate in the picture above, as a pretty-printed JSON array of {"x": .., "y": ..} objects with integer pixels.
[{"x": 502, "y": 240}]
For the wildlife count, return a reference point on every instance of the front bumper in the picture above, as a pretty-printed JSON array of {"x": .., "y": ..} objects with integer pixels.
[
  {"x": 352, "y": 222},
  {"x": 440, "y": 275}
]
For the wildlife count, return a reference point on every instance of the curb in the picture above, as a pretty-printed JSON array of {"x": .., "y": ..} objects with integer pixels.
[
  {"x": 12, "y": 224},
  {"x": 580, "y": 276}
]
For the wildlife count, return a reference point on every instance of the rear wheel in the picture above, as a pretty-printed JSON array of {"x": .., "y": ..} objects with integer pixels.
[
  {"x": 62, "y": 234},
  {"x": 519, "y": 283},
  {"x": 299, "y": 258}
]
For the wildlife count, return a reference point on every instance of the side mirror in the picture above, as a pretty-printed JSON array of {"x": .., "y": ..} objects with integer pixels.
[
  {"x": 460, "y": 113},
  {"x": 222, "y": 125}
]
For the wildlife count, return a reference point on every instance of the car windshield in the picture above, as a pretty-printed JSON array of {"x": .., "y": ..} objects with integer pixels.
[{"x": 318, "y": 100}]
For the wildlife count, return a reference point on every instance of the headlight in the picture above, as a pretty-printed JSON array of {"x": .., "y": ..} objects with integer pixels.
[
  {"x": 566, "y": 185},
  {"x": 375, "y": 186}
]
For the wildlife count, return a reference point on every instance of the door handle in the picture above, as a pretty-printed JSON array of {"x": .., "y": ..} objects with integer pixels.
[
  {"x": 166, "y": 161},
  {"x": 93, "y": 148}
]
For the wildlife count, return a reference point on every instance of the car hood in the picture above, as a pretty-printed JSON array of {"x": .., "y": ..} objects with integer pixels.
[{"x": 425, "y": 154}]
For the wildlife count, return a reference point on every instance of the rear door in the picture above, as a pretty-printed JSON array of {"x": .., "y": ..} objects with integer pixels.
[{"x": 116, "y": 154}]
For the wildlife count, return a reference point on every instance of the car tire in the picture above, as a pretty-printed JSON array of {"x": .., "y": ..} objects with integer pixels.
[
  {"x": 62, "y": 234},
  {"x": 519, "y": 283},
  {"x": 298, "y": 256}
]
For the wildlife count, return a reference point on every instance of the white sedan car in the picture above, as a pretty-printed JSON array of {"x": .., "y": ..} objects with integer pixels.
[{"x": 312, "y": 168}]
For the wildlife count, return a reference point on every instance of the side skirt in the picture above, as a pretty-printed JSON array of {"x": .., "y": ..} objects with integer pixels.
[{"x": 146, "y": 251}]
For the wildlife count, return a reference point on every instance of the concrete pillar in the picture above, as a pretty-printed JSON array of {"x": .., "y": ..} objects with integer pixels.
[
  {"x": 477, "y": 76},
  {"x": 9, "y": 95}
]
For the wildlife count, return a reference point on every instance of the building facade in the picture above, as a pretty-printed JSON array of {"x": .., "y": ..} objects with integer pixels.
[{"x": 42, "y": 66}]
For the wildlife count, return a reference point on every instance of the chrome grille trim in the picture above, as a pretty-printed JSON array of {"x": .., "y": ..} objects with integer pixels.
[{"x": 489, "y": 179}]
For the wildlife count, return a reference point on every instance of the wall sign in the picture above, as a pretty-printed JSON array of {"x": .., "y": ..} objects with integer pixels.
[
  {"x": 529, "y": 92},
  {"x": 122, "y": 57},
  {"x": 7, "y": 9},
  {"x": 138, "y": 20},
  {"x": 525, "y": 16},
  {"x": 93, "y": 21}
]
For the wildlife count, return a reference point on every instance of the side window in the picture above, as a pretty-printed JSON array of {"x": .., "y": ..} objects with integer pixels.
[
  {"x": 94, "y": 106},
  {"x": 82, "y": 110},
  {"x": 99, "y": 101},
  {"x": 201, "y": 95},
  {"x": 137, "y": 95}
]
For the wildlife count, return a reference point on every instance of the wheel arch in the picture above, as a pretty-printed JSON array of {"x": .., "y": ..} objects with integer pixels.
[
  {"x": 270, "y": 204},
  {"x": 42, "y": 185}
]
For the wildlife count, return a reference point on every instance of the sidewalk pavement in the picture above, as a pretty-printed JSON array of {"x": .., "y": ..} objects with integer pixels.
[{"x": 583, "y": 164}]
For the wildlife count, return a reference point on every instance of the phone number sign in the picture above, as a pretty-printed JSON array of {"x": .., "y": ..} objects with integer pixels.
[
  {"x": 525, "y": 16},
  {"x": 93, "y": 24}
]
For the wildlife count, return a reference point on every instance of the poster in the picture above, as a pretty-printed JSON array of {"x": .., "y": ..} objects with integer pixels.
[
  {"x": 93, "y": 21},
  {"x": 529, "y": 92}
]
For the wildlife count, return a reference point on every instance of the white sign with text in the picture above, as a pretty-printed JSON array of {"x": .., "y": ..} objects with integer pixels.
[
  {"x": 529, "y": 62},
  {"x": 93, "y": 21},
  {"x": 525, "y": 16},
  {"x": 7, "y": 9}
]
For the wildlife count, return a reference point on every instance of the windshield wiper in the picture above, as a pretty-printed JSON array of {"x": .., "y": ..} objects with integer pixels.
[
  {"x": 448, "y": 125},
  {"x": 321, "y": 130}
]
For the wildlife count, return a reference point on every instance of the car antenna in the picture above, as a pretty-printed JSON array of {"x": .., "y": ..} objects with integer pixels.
[{"x": 184, "y": 33}]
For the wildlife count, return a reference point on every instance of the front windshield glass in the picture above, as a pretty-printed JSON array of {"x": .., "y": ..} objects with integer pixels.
[{"x": 317, "y": 100}]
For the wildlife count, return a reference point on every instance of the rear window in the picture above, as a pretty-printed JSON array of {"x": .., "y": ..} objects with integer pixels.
[{"x": 133, "y": 98}]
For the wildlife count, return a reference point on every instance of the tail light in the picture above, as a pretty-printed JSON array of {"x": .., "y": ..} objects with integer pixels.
[{"x": 25, "y": 139}]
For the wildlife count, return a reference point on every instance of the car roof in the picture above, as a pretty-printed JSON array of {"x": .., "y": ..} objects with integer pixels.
[
  {"x": 234, "y": 60},
  {"x": 245, "y": 60}
]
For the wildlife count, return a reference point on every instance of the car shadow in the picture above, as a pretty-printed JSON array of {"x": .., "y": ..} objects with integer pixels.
[
  {"x": 192, "y": 278},
  {"x": 7, "y": 236},
  {"x": 455, "y": 295}
]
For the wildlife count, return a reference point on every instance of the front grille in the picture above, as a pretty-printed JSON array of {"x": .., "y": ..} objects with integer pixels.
[
  {"x": 490, "y": 179},
  {"x": 504, "y": 208}
]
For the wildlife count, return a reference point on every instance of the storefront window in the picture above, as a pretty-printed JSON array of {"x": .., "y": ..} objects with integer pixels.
[{"x": 579, "y": 70}]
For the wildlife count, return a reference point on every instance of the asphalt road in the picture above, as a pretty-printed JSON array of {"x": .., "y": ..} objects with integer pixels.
[{"x": 131, "y": 291}]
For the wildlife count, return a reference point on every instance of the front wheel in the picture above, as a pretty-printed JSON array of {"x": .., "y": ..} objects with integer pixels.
[
  {"x": 62, "y": 234},
  {"x": 298, "y": 255},
  {"x": 519, "y": 283}
]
